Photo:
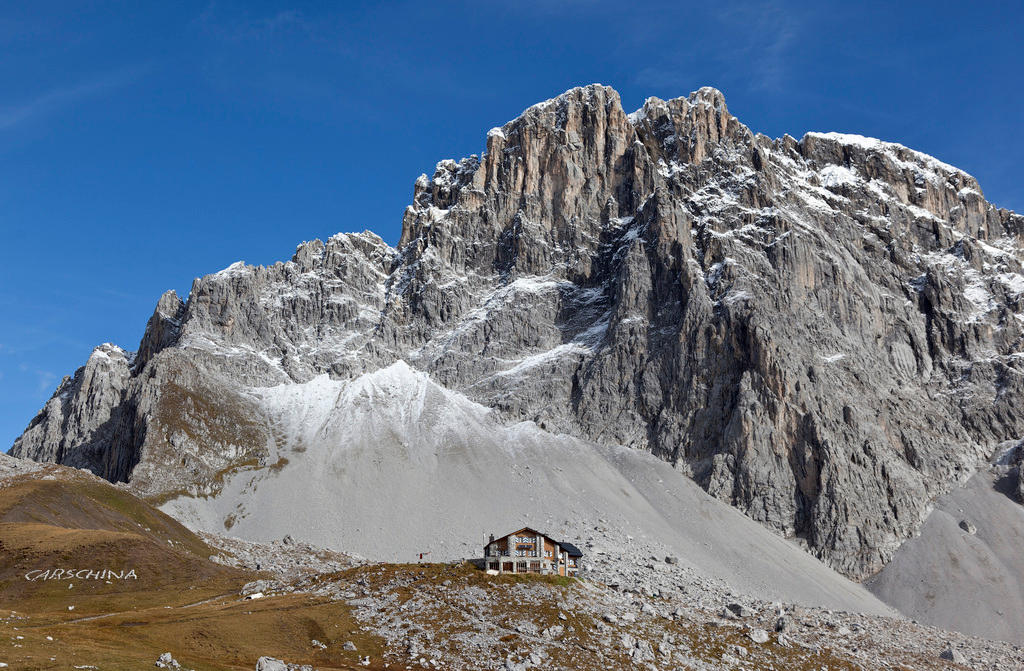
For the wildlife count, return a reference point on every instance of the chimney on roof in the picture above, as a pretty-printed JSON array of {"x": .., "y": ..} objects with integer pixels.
[{"x": 492, "y": 539}]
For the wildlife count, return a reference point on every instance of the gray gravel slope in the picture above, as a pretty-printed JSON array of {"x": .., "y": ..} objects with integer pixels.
[
  {"x": 391, "y": 465},
  {"x": 953, "y": 579}
]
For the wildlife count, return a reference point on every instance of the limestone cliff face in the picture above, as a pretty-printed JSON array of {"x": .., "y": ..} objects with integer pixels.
[{"x": 826, "y": 333}]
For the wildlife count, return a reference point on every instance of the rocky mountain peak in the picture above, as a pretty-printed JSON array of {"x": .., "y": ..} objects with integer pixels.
[
  {"x": 684, "y": 130},
  {"x": 824, "y": 333},
  {"x": 163, "y": 327}
]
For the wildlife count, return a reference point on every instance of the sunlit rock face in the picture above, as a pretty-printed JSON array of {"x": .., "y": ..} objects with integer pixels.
[{"x": 825, "y": 333}]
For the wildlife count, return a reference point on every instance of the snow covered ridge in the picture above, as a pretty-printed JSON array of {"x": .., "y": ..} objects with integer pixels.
[
  {"x": 111, "y": 351},
  {"x": 893, "y": 149},
  {"x": 234, "y": 269},
  {"x": 338, "y": 242},
  {"x": 560, "y": 99}
]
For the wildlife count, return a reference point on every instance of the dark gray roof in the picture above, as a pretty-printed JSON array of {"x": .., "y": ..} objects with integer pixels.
[{"x": 571, "y": 549}]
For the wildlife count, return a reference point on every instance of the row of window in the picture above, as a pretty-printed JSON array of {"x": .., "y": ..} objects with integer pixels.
[
  {"x": 522, "y": 552},
  {"x": 520, "y": 567}
]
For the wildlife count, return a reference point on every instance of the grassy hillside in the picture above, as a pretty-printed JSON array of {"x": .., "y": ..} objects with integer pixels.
[{"x": 179, "y": 601}]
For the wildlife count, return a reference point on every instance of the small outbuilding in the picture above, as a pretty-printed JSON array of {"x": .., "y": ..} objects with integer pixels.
[{"x": 530, "y": 551}]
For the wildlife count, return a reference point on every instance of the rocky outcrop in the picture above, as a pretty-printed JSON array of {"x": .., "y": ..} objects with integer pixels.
[
  {"x": 825, "y": 333},
  {"x": 79, "y": 422},
  {"x": 162, "y": 329}
]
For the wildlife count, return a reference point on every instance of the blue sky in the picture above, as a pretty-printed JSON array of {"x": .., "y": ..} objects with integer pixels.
[{"x": 144, "y": 144}]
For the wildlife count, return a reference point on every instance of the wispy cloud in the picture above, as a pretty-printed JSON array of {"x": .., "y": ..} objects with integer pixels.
[
  {"x": 768, "y": 30},
  {"x": 55, "y": 99},
  {"x": 221, "y": 25},
  {"x": 310, "y": 62},
  {"x": 45, "y": 380},
  {"x": 746, "y": 43}
]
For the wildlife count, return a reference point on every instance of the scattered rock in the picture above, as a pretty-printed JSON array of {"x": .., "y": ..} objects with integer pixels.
[
  {"x": 967, "y": 526},
  {"x": 349, "y": 645},
  {"x": 953, "y": 655},
  {"x": 758, "y": 635},
  {"x": 643, "y": 652},
  {"x": 739, "y": 610},
  {"x": 553, "y": 632},
  {"x": 738, "y": 650},
  {"x": 627, "y": 642},
  {"x": 510, "y": 665},
  {"x": 261, "y": 586},
  {"x": 270, "y": 664}
]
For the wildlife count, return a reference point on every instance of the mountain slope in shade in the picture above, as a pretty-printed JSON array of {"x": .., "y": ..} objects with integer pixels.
[{"x": 824, "y": 333}]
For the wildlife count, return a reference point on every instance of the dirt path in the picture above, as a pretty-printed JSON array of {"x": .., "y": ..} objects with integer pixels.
[{"x": 124, "y": 612}]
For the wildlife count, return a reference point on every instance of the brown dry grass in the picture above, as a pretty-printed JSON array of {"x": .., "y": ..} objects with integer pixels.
[
  {"x": 180, "y": 603},
  {"x": 77, "y": 501},
  {"x": 225, "y": 421},
  {"x": 226, "y": 633}
]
